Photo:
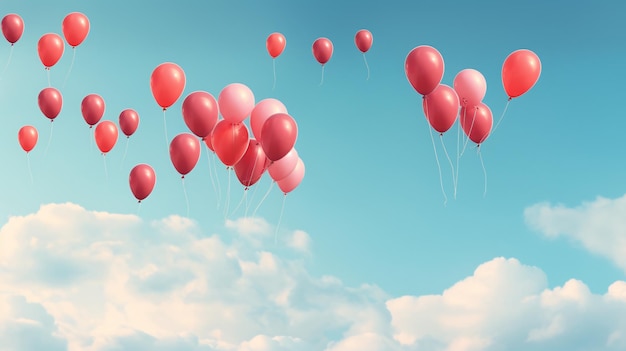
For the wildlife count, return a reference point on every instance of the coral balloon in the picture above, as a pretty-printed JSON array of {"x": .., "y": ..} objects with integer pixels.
[
  {"x": 441, "y": 108},
  {"x": 261, "y": 112},
  {"x": 75, "y": 28},
  {"x": 208, "y": 142},
  {"x": 129, "y": 121},
  {"x": 142, "y": 180},
  {"x": 27, "y": 136},
  {"x": 50, "y": 48},
  {"x": 322, "y": 50},
  {"x": 520, "y": 72},
  {"x": 167, "y": 83},
  {"x": 476, "y": 122},
  {"x": 229, "y": 141},
  {"x": 92, "y": 107},
  {"x": 252, "y": 165},
  {"x": 275, "y": 44},
  {"x": 471, "y": 87},
  {"x": 106, "y": 136},
  {"x": 200, "y": 113},
  {"x": 184, "y": 153},
  {"x": 236, "y": 102},
  {"x": 280, "y": 169},
  {"x": 289, "y": 183},
  {"x": 424, "y": 69},
  {"x": 50, "y": 102},
  {"x": 12, "y": 27},
  {"x": 363, "y": 40},
  {"x": 279, "y": 135}
]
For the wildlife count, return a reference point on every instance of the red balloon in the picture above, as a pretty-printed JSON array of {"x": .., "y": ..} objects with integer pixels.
[
  {"x": 167, "y": 84},
  {"x": 142, "y": 180},
  {"x": 252, "y": 165},
  {"x": 229, "y": 141},
  {"x": 50, "y": 102},
  {"x": 50, "y": 48},
  {"x": 129, "y": 121},
  {"x": 106, "y": 136},
  {"x": 290, "y": 182},
  {"x": 200, "y": 112},
  {"x": 363, "y": 40},
  {"x": 443, "y": 107},
  {"x": 424, "y": 69},
  {"x": 27, "y": 136},
  {"x": 322, "y": 50},
  {"x": 208, "y": 142},
  {"x": 275, "y": 44},
  {"x": 184, "y": 153},
  {"x": 476, "y": 122},
  {"x": 520, "y": 72},
  {"x": 92, "y": 107},
  {"x": 278, "y": 136},
  {"x": 12, "y": 27},
  {"x": 75, "y": 28}
]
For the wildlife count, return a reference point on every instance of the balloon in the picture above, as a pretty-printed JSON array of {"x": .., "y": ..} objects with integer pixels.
[
  {"x": 12, "y": 27},
  {"x": 289, "y": 183},
  {"x": 471, "y": 87},
  {"x": 275, "y": 44},
  {"x": 75, "y": 28},
  {"x": 142, "y": 180},
  {"x": 261, "y": 112},
  {"x": 167, "y": 83},
  {"x": 208, "y": 142},
  {"x": 236, "y": 102},
  {"x": 50, "y": 102},
  {"x": 106, "y": 136},
  {"x": 129, "y": 121},
  {"x": 520, "y": 72},
  {"x": 92, "y": 108},
  {"x": 184, "y": 153},
  {"x": 229, "y": 141},
  {"x": 252, "y": 165},
  {"x": 27, "y": 136},
  {"x": 279, "y": 134},
  {"x": 322, "y": 50},
  {"x": 50, "y": 48},
  {"x": 200, "y": 113},
  {"x": 363, "y": 40},
  {"x": 479, "y": 129},
  {"x": 443, "y": 107},
  {"x": 282, "y": 168},
  {"x": 424, "y": 69}
]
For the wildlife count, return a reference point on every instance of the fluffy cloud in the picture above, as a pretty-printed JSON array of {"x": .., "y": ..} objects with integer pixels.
[{"x": 77, "y": 280}]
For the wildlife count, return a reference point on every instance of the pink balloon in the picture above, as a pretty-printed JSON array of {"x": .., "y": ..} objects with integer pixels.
[
  {"x": 476, "y": 122},
  {"x": 424, "y": 69},
  {"x": 280, "y": 169},
  {"x": 261, "y": 112},
  {"x": 236, "y": 102},
  {"x": 142, "y": 180},
  {"x": 252, "y": 165},
  {"x": 50, "y": 102},
  {"x": 184, "y": 153},
  {"x": 471, "y": 87},
  {"x": 92, "y": 108},
  {"x": 441, "y": 108},
  {"x": 289, "y": 183},
  {"x": 200, "y": 113},
  {"x": 279, "y": 135},
  {"x": 129, "y": 121}
]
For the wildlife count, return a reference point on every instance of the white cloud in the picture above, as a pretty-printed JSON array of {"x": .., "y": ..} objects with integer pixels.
[{"x": 300, "y": 241}]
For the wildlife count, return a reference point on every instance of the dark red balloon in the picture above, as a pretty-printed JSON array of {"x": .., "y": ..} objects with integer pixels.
[
  {"x": 278, "y": 136},
  {"x": 184, "y": 153},
  {"x": 92, "y": 107},
  {"x": 363, "y": 40},
  {"x": 322, "y": 50},
  {"x": 142, "y": 180},
  {"x": 252, "y": 165},
  {"x": 50, "y": 102},
  {"x": 476, "y": 122},
  {"x": 12, "y": 27},
  {"x": 129, "y": 121},
  {"x": 200, "y": 112}
]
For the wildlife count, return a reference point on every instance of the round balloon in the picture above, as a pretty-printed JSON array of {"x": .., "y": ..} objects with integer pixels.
[
  {"x": 27, "y": 137},
  {"x": 167, "y": 83},
  {"x": 12, "y": 27},
  {"x": 424, "y": 69},
  {"x": 92, "y": 107},
  {"x": 283, "y": 167},
  {"x": 50, "y": 102},
  {"x": 471, "y": 87},
  {"x": 50, "y": 48},
  {"x": 322, "y": 50},
  {"x": 236, "y": 102},
  {"x": 363, "y": 40},
  {"x": 142, "y": 180},
  {"x": 75, "y": 28},
  {"x": 275, "y": 44},
  {"x": 184, "y": 153},
  {"x": 129, "y": 121},
  {"x": 106, "y": 136},
  {"x": 261, "y": 112},
  {"x": 476, "y": 122},
  {"x": 290, "y": 182},
  {"x": 229, "y": 141},
  {"x": 279, "y": 135},
  {"x": 200, "y": 113},
  {"x": 252, "y": 165},
  {"x": 441, "y": 108},
  {"x": 520, "y": 72}
]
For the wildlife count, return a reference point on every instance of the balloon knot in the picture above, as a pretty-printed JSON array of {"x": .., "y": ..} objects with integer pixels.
[
  {"x": 138, "y": 201},
  {"x": 128, "y": 137},
  {"x": 510, "y": 98},
  {"x": 440, "y": 134},
  {"x": 164, "y": 108},
  {"x": 90, "y": 126},
  {"x": 182, "y": 177}
]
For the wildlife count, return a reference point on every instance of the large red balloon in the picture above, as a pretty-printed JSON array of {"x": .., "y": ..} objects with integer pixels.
[
  {"x": 167, "y": 84},
  {"x": 106, "y": 136},
  {"x": 279, "y": 135},
  {"x": 92, "y": 107},
  {"x": 50, "y": 48},
  {"x": 184, "y": 153},
  {"x": 75, "y": 28},
  {"x": 520, "y": 72},
  {"x": 424, "y": 69},
  {"x": 290, "y": 182},
  {"x": 27, "y": 136},
  {"x": 12, "y": 28},
  {"x": 322, "y": 50},
  {"x": 252, "y": 165},
  {"x": 200, "y": 112},
  {"x": 142, "y": 180},
  {"x": 476, "y": 122},
  {"x": 229, "y": 141},
  {"x": 363, "y": 40},
  {"x": 50, "y": 102},
  {"x": 441, "y": 108},
  {"x": 129, "y": 121},
  {"x": 275, "y": 44}
]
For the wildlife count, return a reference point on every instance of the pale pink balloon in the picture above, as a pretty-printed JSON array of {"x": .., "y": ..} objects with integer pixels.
[
  {"x": 282, "y": 168},
  {"x": 236, "y": 102},
  {"x": 471, "y": 87},
  {"x": 261, "y": 112},
  {"x": 290, "y": 182}
]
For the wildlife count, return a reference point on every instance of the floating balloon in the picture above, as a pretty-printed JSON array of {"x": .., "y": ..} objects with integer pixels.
[
  {"x": 27, "y": 136},
  {"x": 520, "y": 72},
  {"x": 12, "y": 27},
  {"x": 75, "y": 28},
  {"x": 142, "y": 180},
  {"x": 50, "y": 102},
  {"x": 208, "y": 142},
  {"x": 92, "y": 107},
  {"x": 424, "y": 69},
  {"x": 106, "y": 136},
  {"x": 275, "y": 44},
  {"x": 50, "y": 48},
  {"x": 289, "y": 183},
  {"x": 229, "y": 141},
  {"x": 363, "y": 40},
  {"x": 322, "y": 50},
  {"x": 184, "y": 153},
  {"x": 261, "y": 112},
  {"x": 471, "y": 87},
  {"x": 280, "y": 169},
  {"x": 129, "y": 121},
  {"x": 252, "y": 165},
  {"x": 441, "y": 107},
  {"x": 167, "y": 83},
  {"x": 236, "y": 102},
  {"x": 200, "y": 113},
  {"x": 279, "y": 135},
  {"x": 476, "y": 122}
]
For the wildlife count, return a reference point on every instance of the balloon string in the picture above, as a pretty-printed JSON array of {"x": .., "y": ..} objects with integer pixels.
[
  {"x": 480, "y": 155},
  {"x": 7, "y": 64},
  {"x": 470, "y": 132},
  {"x": 322, "y": 81},
  {"x": 125, "y": 152},
  {"x": 243, "y": 197},
  {"x": 165, "y": 131},
  {"x": 274, "y": 67},
  {"x": 447, "y": 156},
  {"x": 48, "y": 72},
  {"x": 263, "y": 199},
  {"x": 251, "y": 198},
  {"x": 367, "y": 66},
  {"x": 30, "y": 172},
  {"x": 256, "y": 158},
  {"x": 280, "y": 218},
  {"x": 208, "y": 157},
  {"x": 49, "y": 138},
  {"x": 92, "y": 136},
  {"x": 186, "y": 198},
  {"x": 217, "y": 181},
  {"x": 502, "y": 116},
  {"x": 71, "y": 66},
  {"x": 106, "y": 172},
  {"x": 138, "y": 207},
  {"x": 227, "y": 205},
  {"x": 458, "y": 137},
  {"x": 445, "y": 198}
]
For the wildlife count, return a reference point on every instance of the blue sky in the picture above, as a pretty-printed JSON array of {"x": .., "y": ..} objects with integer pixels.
[{"x": 370, "y": 202}]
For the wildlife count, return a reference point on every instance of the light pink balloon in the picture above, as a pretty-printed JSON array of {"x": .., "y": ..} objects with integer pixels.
[
  {"x": 236, "y": 102},
  {"x": 471, "y": 87},
  {"x": 289, "y": 183},
  {"x": 282, "y": 168},
  {"x": 261, "y": 112}
]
